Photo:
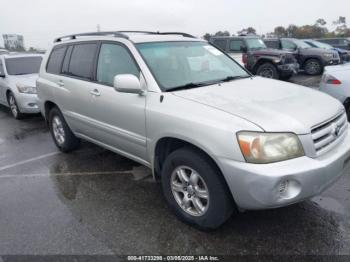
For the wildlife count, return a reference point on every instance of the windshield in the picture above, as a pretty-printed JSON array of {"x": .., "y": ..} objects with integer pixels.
[
  {"x": 187, "y": 64},
  {"x": 301, "y": 44},
  {"x": 255, "y": 43},
  {"x": 322, "y": 45},
  {"x": 23, "y": 65}
]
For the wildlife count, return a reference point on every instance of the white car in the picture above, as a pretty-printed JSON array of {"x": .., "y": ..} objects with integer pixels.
[
  {"x": 336, "y": 82},
  {"x": 18, "y": 74}
]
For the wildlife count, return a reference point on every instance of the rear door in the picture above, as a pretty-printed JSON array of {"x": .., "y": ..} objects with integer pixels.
[{"x": 75, "y": 84}]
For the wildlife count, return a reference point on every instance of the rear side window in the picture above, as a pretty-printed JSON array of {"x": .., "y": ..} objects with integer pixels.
[
  {"x": 55, "y": 60},
  {"x": 220, "y": 43},
  {"x": 82, "y": 60},
  {"x": 114, "y": 60},
  {"x": 66, "y": 60},
  {"x": 236, "y": 45}
]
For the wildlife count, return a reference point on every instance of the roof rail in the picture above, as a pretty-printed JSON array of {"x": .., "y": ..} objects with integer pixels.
[
  {"x": 159, "y": 33},
  {"x": 74, "y": 36},
  {"x": 119, "y": 34}
]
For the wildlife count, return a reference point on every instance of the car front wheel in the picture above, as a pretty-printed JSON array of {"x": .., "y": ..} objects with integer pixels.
[
  {"x": 195, "y": 189},
  {"x": 62, "y": 135},
  {"x": 267, "y": 70},
  {"x": 313, "y": 67},
  {"x": 16, "y": 113}
]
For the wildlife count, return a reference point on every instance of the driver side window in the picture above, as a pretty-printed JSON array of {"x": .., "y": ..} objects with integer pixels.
[
  {"x": 288, "y": 45},
  {"x": 114, "y": 60}
]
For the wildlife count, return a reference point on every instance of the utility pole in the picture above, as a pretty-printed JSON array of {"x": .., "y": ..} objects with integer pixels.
[{"x": 98, "y": 28}]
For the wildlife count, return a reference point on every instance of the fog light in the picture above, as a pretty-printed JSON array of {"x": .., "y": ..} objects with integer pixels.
[
  {"x": 288, "y": 189},
  {"x": 283, "y": 187},
  {"x": 32, "y": 104}
]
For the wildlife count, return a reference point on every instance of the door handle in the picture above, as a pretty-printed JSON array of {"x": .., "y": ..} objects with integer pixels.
[
  {"x": 95, "y": 92},
  {"x": 60, "y": 83}
]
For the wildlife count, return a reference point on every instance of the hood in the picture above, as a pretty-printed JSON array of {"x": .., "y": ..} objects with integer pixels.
[
  {"x": 338, "y": 68},
  {"x": 316, "y": 51},
  {"x": 274, "y": 106},
  {"x": 270, "y": 52},
  {"x": 28, "y": 80}
]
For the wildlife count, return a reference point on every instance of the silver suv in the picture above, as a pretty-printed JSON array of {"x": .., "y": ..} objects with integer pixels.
[{"x": 218, "y": 139}]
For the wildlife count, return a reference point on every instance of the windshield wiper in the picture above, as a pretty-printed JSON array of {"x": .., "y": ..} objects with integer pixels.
[
  {"x": 232, "y": 78},
  {"x": 189, "y": 86}
]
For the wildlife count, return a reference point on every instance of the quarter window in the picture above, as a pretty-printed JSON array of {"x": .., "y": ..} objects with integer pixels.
[
  {"x": 82, "y": 60},
  {"x": 114, "y": 60},
  {"x": 55, "y": 60}
]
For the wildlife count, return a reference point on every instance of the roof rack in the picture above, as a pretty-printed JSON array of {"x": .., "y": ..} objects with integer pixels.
[
  {"x": 74, "y": 36},
  {"x": 119, "y": 34}
]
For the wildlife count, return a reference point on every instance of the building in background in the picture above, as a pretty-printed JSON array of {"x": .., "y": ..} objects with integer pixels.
[{"x": 13, "y": 42}]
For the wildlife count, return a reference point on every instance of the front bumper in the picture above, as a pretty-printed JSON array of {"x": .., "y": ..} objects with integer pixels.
[
  {"x": 28, "y": 103},
  {"x": 332, "y": 62},
  {"x": 255, "y": 186},
  {"x": 289, "y": 69}
]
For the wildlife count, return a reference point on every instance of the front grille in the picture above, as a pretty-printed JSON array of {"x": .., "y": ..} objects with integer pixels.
[{"x": 327, "y": 134}]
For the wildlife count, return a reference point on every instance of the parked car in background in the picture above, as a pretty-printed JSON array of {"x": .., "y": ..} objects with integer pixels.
[
  {"x": 18, "y": 74},
  {"x": 312, "y": 60},
  {"x": 257, "y": 58},
  {"x": 336, "y": 82},
  {"x": 218, "y": 139},
  {"x": 343, "y": 43},
  {"x": 3, "y": 51},
  {"x": 343, "y": 54}
]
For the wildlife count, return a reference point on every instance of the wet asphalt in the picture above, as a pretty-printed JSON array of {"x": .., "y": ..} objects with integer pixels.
[{"x": 93, "y": 201}]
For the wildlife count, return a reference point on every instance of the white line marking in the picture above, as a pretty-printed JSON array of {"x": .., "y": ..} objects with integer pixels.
[
  {"x": 68, "y": 174},
  {"x": 28, "y": 161}
]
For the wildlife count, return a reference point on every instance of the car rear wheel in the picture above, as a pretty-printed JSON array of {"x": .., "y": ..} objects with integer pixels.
[
  {"x": 195, "y": 189},
  {"x": 313, "y": 67},
  {"x": 62, "y": 135},
  {"x": 16, "y": 113},
  {"x": 267, "y": 70}
]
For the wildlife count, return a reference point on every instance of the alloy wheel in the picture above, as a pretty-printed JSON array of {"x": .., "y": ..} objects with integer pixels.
[
  {"x": 13, "y": 106},
  {"x": 58, "y": 130},
  {"x": 190, "y": 191}
]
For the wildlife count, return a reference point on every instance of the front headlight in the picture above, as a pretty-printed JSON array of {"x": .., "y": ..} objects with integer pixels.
[
  {"x": 262, "y": 148},
  {"x": 26, "y": 89},
  {"x": 328, "y": 55}
]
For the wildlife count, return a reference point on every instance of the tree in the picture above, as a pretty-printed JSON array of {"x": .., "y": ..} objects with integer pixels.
[
  {"x": 280, "y": 31},
  {"x": 321, "y": 22},
  {"x": 247, "y": 31},
  {"x": 222, "y": 33},
  {"x": 207, "y": 36},
  {"x": 342, "y": 29}
]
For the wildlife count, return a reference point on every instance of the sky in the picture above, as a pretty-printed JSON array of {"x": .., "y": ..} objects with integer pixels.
[{"x": 40, "y": 21}]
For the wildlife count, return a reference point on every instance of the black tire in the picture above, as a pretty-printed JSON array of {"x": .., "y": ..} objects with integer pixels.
[
  {"x": 70, "y": 141},
  {"x": 347, "y": 108},
  {"x": 267, "y": 70},
  {"x": 313, "y": 67},
  {"x": 220, "y": 204},
  {"x": 12, "y": 102}
]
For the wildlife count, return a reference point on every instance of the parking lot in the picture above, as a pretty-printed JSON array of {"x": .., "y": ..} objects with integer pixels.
[{"x": 93, "y": 201}]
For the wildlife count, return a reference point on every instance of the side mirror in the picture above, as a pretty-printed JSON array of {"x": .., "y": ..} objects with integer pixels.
[{"x": 127, "y": 83}]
